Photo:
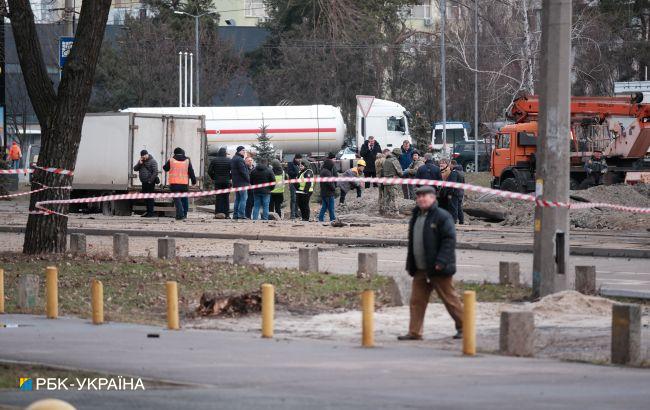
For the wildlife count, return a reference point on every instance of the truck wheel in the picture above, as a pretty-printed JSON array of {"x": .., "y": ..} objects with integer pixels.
[
  {"x": 470, "y": 167},
  {"x": 511, "y": 184}
]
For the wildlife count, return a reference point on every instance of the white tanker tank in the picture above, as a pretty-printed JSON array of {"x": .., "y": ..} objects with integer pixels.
[{"x": 312, "y": 129}]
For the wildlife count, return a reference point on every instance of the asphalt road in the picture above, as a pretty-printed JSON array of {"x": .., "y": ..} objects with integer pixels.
[
  {"x": 241, "y": 371},
  {"x": 622, "y": 274}
]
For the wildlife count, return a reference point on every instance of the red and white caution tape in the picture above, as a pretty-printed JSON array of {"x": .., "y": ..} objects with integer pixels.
[
  {"x": 51, "y": 170},
  {"x": 386, "y": 181},
  {"x": 33, "y": 191}
]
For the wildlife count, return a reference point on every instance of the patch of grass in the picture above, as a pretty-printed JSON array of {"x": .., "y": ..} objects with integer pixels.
[{"x": 134, "y": 289}]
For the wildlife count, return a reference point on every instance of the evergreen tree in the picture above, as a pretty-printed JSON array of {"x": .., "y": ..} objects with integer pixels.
[{"x": 264, "y": 146}]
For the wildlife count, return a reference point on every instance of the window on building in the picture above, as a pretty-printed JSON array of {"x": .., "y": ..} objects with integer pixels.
[{"x": 255, "y": 9}]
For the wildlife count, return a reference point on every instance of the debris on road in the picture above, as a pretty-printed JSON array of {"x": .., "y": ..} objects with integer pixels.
[{"x": 211, "y": 304}]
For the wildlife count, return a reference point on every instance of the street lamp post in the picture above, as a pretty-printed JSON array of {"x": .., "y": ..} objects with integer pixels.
[{"x": 196, "y": 47}]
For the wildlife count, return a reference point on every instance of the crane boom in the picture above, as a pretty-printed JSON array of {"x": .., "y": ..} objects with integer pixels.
[{"x": 526, "y": 108}]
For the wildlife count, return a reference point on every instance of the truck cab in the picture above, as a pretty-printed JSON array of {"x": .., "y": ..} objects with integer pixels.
[
  {"x": 387, "y": 121},
  {"x": 513, "y": 157}
]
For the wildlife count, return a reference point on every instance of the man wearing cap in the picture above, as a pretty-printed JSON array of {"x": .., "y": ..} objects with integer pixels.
[
  {"x": 147, "y": 169},
  {"x": 431, "y": 261},
  {"x": 180, "y": 173},
  {"x": 346, "y": 186},
  {"x": 240, "y": 178}
]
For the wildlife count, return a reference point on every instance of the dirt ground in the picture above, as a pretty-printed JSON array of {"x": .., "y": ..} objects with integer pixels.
[
  {"x": 568, "y": 325},
  {"x": 522, "y": 213}
]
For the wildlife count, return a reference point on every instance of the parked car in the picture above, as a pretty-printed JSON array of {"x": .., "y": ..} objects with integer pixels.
[{"x": 464, "y": 155}]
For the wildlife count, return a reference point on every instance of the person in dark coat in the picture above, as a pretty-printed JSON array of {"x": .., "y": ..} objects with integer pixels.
[
  {"x": 405, "y": 160},
  {"x": 327, "y": 192},
  {"x": 293, "y": 170},
  {"x": 369, "y": 151},
  {"x": 180, "y": 172},
  {"x": 240, "y": 177},
  {"x": 431, "y": 261},
  {"x": 147, "y": 169},
  {"x": 219, "y": 171},
  {"x": 448, "y": 197},
  {"x": 461, "y": 192},
  {"x": 261, "y": 174},
  {"x": 429, "y": 170}
]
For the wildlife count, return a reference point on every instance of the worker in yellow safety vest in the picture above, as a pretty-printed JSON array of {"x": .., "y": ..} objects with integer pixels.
[
  {"x": 277, "y": 193},
  {"x": 304, "y": 189},
  {"x": 179, "y": 174}
]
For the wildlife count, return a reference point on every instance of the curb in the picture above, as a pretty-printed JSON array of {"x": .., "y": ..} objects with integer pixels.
[
  {"x": 621, "y": 293},
  {"x": 479, "y": 246}
]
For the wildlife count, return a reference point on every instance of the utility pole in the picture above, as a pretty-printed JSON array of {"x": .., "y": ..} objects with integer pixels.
[
  {"x": 476, "y": 86},
  {"x": 551, "y": 247},
  {"x": 196, "y": 47},
  {"x": 68, "y": 15},
  {"x": 443, "y": 97}
]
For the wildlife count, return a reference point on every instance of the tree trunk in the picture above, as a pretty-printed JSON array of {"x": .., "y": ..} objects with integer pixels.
[{"x": 60, "y": 113}]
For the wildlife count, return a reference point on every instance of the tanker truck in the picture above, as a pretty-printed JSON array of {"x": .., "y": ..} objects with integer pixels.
[{"x": 305, "y": 129}]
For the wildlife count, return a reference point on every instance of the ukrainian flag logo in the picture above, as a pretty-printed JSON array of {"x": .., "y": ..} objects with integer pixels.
[{"x": 25, "y": 383}]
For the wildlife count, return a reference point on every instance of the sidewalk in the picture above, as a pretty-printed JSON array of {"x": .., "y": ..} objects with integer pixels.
[{"x": 241, "y": 370}]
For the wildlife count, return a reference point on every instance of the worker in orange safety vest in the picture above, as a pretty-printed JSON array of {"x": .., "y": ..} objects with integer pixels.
[
  {"x": 179, "y": 174},
  {"x": 15, "y": 154}
]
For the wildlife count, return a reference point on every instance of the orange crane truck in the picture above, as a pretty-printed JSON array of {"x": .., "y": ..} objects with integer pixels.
[{"x": 619, "y": 127}]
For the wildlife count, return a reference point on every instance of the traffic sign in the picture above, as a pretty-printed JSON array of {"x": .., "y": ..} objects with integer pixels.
[
  {"x": 65, "y": 45},
  {"x": 365, "y": 102}
]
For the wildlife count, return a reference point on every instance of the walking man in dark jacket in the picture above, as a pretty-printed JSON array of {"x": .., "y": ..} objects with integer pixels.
[
  {"x": 327, "y": 192},
  {"x": 261, "y": 174},
  {"x": 293, "y": 170},
  {"x": 147, "y": 169},
  {"x": 180, "y": 174},
  {"x": 431, "y": 261},
  {"x": 240, "y": 178},
  {"x": 369, "y": 151}
]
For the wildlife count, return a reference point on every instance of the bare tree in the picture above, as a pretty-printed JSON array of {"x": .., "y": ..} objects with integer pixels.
[{"x": 60, "y": 112}]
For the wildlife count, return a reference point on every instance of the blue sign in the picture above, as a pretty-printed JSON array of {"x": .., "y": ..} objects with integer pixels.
[{"x": 65, "y": 45}]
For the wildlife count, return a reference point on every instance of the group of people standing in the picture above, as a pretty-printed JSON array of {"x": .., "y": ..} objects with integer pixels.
[
  {"x": 241, "y": 171},
  {"x": 406, "y": 162}
]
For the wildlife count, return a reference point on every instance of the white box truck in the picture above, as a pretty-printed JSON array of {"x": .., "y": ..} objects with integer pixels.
[{"x": 110, "y": 146}]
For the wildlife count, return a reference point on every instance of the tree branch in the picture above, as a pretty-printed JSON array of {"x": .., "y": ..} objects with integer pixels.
[{"x": 39, "y": 86}]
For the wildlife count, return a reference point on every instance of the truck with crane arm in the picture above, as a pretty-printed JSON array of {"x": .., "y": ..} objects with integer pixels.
[{"x": 619, "y": 127}]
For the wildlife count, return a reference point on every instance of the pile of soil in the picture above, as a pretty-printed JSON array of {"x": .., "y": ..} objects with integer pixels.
[
  {"x": 519, "y": 213},
  {"x": 572, "y": 302}
]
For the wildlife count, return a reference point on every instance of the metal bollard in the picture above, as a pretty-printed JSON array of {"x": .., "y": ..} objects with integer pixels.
[
  {"x": 469, "y": 323},
  {"x": 97, "y": 301},
  {"x": 367, "y": 326},
  {"x": 172, "y": 305},
  {"x": 2, "y": 291},
  {"x": 52, "y": 292},
  {"x": 268, "y": 310}
]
